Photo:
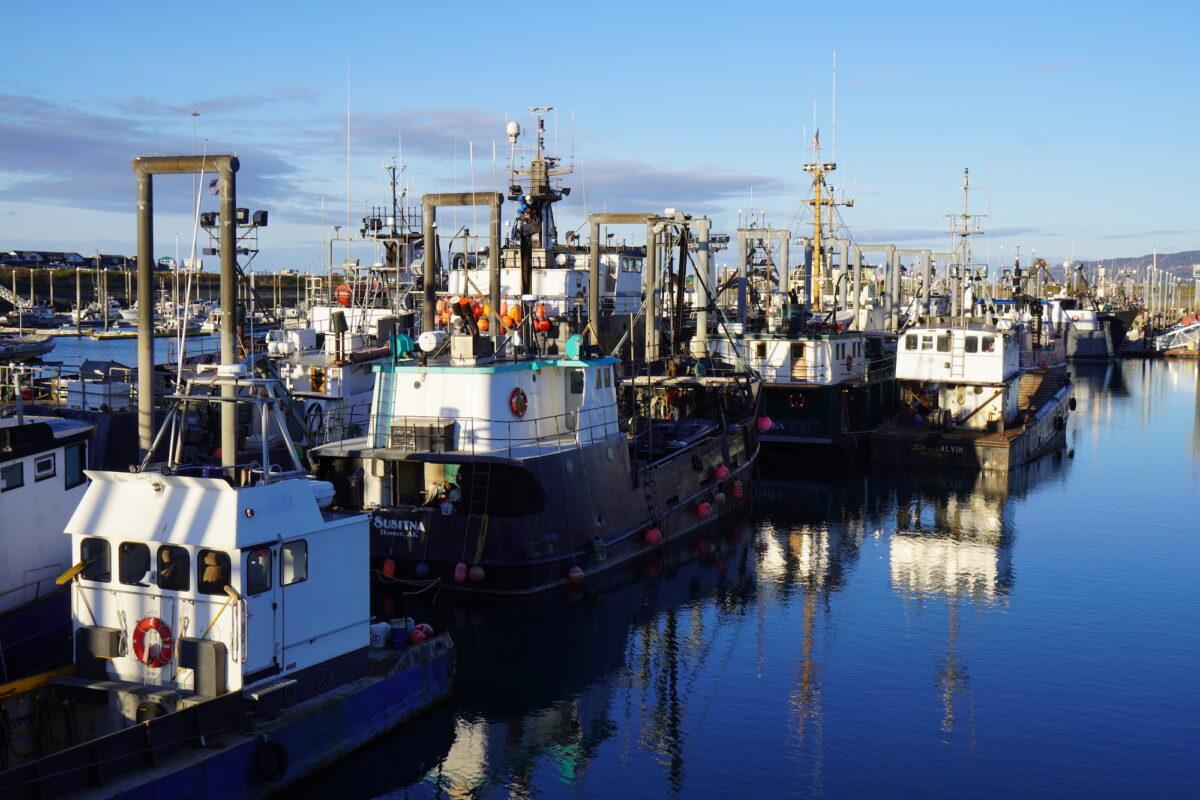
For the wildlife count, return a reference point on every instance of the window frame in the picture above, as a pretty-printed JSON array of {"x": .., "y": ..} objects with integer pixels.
[
  {"x": 121, "y": 553},
  {"x": 944, "y": 339},
  {"x": 19, "y": 466},
  {"x": 84, "y": 573},
  {"x": 251, "y": 553},
  {"x": 289, "y": 546},
  {"x": 186, "y": 571},
  {"x": 988, "y": 344},
  {"x": 81, "y": 448},
  {"x": 971, "y": 344},
  {"x": 576, "y": 377},
  {"x": 926, "y": 342},
  {"x": 227, "y": 563},
  {"x": 38, "y": 475},
  {"x": 911, "y": 341}
]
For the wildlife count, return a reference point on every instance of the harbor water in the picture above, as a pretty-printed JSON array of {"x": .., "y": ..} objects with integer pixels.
[{"x": 876, "y": 633}]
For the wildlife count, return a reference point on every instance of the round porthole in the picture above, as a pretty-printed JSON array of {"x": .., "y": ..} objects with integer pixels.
[{"x": 416, "y": 384}]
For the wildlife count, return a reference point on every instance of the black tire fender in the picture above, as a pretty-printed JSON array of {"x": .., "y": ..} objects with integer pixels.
[{"x": 271, "y": 760}]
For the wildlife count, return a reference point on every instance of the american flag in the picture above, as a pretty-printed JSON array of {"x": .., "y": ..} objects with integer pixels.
[{"x": 212, "y": 186}]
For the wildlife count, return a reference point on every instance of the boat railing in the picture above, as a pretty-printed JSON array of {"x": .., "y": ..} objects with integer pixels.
[
  {"x": 194, "y": 346},
  {"x": 490, "y": 436},
  {"x": 882, "y": 368},
  {"x": 788, "y": 373}
]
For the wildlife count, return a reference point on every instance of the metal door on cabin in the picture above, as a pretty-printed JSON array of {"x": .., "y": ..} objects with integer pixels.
[
  {"x": 799, "y": 362},
  {"x": 576, "y": 384},
  {"x": 260, "y": 594}
]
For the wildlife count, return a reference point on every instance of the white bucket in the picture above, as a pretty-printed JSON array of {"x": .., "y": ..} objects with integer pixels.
[{"x": 380, "y": 632}]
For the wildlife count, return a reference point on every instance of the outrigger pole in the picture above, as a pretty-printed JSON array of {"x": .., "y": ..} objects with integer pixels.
[{"x": 144, "y": 170}]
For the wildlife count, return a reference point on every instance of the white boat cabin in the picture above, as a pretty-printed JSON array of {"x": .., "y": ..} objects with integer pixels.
[
  {"x": 976, "y": 371},
  {"x": 510, "y": 408},
  {"x": 42, "y": 462},
  {"x": 815, "y": 359},
  {"x": 197, "y": 584}
]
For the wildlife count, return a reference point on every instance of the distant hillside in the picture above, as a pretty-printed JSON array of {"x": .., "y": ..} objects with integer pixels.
[{"x": 1178, "y": 263}]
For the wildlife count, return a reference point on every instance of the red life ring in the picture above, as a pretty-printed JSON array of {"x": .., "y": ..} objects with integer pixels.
[
  {"x": 518, "y": 403},
  {"x": 166, "y": 646}
]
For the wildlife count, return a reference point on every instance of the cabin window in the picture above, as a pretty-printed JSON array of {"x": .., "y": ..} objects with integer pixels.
[
  {"x": 212, "y": 567},
  {"x": 293, "y": 563},
  {"x": 96, "y": 556},
  {"x": 577, "y": 381},
  {"x": 134, "y": 563},
  {"x": 797, "y": 351},
  {"x": 44, "y": 467},
  {"x": 607, "y": 377},
  {"x": 258, "y": 571},
  {"x": 943, "y": 343},
  {"x": 174, "y": 568},
  {"x": 12, "y": 476},
  {"x": 760, "y": 350},
  {"x": 599, "y": 379},
  {"x": 972, "y": 344},
  {"x": 927, "y": 342},
  {"x": 989, "y": 344},
  {"x": 73, "y": 461},
  {"x": 910, "y": 342}
]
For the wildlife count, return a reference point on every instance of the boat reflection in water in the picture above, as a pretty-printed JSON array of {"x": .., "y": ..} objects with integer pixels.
[
  {"x": 727, "y": 650},
  {"x": 542, "y": 683},
  {"x": 953, "y": 541}
]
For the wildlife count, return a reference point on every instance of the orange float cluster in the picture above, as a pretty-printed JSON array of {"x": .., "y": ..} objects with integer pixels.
[{"x": 511, "y": 316}]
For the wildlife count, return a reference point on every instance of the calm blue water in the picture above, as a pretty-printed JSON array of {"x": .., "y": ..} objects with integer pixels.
[
  {"x": 74, "y": 350},
  {"x": 877, "y": 634}
]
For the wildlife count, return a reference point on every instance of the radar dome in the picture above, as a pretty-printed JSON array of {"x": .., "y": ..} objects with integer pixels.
[{"x": 513, "y": 130}]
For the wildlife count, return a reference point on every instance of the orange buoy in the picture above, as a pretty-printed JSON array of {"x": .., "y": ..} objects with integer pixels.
[
  {"x": 764, "y": 424},
  {"x": 389, "y": 567},
  {"x": 484, "y": 324},
  {"x": 460, "y": 572},
  {"x": 504, "y": 308},
  {"x": 721, "y": 472},
  {"x": 344, "y": 294},
  {"x": 737, "y": 490},
  {"x": 416, "y": 636},
  {"x": 441, "y": 306},
  {"x": 653, "y": 537},
  {"x": 575, "y": 575},
  {"x": 515, "y": 313},
  {"x": 541, "y": 311},
  {"x": 475, "y": 574},
  {"x": 704, "y": 509}
]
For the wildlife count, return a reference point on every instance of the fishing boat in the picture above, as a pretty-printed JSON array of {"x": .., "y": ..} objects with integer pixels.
[
  {"x": 512, "y": 475},
  {"x": 24, "y": 348},
  {"x": 826, "y": 365},
  {"x": 42, "y": 461},
  {"x": 973, "y": 399},
  {"x": 222, "y": 628},
  {"x": 330, "y": 376}
]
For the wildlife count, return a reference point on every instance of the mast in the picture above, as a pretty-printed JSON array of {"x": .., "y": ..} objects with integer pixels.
[
  {"x": 963, "y": 226},
  {"x": 819, "y": 202},
  {"x": 535, "y": 226}
]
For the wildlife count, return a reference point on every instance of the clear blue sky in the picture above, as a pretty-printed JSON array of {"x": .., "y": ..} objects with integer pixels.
[{"x": 1085, "y": 113}]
